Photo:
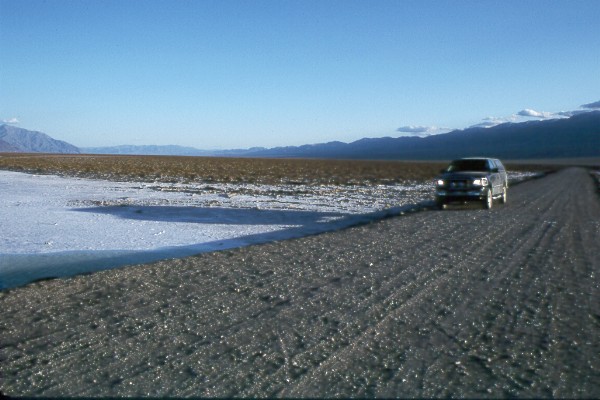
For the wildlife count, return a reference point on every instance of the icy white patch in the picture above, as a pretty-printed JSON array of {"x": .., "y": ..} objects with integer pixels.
[
  {"x": 54, "y": 226},
  {"x": 518, "y": 176}
]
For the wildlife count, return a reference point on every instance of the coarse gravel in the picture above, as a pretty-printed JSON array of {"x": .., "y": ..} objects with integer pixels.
[{"x": 464, "y": 302}]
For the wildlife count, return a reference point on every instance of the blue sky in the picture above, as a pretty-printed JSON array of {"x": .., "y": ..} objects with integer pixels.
[{"x": 236, "y": 74}]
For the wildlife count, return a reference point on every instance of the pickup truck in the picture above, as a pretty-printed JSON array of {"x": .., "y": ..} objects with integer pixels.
[{"x": 472, "y": 179}]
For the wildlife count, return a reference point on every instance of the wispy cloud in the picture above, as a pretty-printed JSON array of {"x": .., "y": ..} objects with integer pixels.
[
  {"x": 593, "y": 106},
  {"x": 413, "y": 129},
  {"x": 571, "y": 113},
  {"x": 584, "y": 108},
  {"x": 421, "y": 131},
  {"x": 528, "y": 113},
  {"x": 10, "y": 121},
  {"x": 485, "y": 124},
  {"x": 560, "y": 114},
  {"x": 489, "y": 122}
]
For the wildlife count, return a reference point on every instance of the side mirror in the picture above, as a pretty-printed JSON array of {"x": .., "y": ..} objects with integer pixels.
[{"x": 494, "y": 169}]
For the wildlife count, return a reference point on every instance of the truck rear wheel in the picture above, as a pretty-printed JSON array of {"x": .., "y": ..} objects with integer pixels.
[{"x": 504, "y": 197}]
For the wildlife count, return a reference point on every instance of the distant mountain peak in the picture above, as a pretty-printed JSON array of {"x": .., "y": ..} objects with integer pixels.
[
  {"x": 577, "y": 136},
  {"x": 13, "y": 139}
]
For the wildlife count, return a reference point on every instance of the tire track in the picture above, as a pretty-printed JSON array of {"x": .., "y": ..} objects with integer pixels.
[{"x": 524, "y": 271}]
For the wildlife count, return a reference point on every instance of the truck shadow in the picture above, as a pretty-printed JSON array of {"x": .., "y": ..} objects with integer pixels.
[
  {"x": 21, "y": 269},
  {"x": 216, "y": 215}
]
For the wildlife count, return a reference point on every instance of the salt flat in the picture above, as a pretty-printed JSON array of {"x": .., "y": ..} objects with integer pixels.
[{"x": 55, "y": 226}]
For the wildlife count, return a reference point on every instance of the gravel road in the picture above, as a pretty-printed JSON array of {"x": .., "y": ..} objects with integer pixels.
[{"x": 464, "y": 302}]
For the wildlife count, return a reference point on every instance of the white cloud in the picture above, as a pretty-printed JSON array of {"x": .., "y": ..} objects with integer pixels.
[
  {"x": 535, "y": 114},
  {"x": 10, "y": 121},
  {"x": 413, "y": 129},
  {"x": 421, "y": 130}
]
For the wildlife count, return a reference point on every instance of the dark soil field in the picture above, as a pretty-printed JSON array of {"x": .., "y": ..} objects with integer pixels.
[
  {"x": 458, "y": 303},
  {"x": 246, "y": 170},
  {"x": 269, "y": 171}
]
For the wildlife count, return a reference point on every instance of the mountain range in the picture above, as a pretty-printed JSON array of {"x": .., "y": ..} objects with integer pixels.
[
  {"x": 577, "y": 136},
  {"x": 169, "y": 150},
  {"x": 18, "y": 140}
]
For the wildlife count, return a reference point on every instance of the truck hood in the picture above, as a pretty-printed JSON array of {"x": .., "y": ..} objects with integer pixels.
[{"x": 463, "y": 175}]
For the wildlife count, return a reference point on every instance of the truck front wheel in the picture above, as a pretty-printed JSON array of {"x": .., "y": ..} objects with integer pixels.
[{"x": 488, "y": 202}]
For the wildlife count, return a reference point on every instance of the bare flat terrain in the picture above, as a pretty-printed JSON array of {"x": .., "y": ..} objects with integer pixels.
[
  {"x": 225, "y": 170},
  {"x": 462, "y": 303},
  {"x": 248, "y": 170}
]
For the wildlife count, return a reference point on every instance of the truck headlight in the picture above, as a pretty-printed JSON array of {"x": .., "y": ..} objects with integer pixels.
[
  {"x": 480, "y": 182},
  {"x": 440, "y": 182}
]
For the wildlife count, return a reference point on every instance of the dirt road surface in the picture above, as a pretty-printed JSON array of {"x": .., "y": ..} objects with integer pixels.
[{"x": 464, "y": 302}]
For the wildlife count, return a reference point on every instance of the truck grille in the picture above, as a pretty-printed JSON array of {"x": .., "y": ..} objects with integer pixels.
[{"x": 459, "y": 184}]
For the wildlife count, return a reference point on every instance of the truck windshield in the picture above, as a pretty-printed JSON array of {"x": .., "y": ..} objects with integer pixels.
[{"x": 468, "y": 165}]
